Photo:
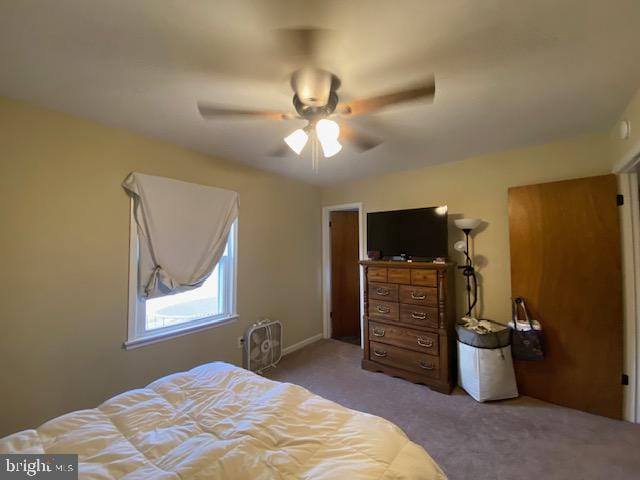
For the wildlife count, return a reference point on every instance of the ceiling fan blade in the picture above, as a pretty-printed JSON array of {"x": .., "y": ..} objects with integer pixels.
[
  {"x": 280, "y": 151},
  {"x": 362, "y": 141},
  {"x": 214, "y": 111},
  {"x": 373, "y": 104}
]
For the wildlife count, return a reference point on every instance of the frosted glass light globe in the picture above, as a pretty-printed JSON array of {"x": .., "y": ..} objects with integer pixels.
[
  {"x": 330, "y": 148},
  {"x": 327, "y": 130},
  {"x": 297, "y": 140}
]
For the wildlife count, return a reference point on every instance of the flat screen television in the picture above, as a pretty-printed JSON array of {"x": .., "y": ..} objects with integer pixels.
[{"x": 419, "y": 233}]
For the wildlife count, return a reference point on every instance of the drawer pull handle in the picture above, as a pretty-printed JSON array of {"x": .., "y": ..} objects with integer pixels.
[
  {"x": 419, "y": 315},
  {"x": 418, "y": 296},
  {"x": 382, "y": 309},
  {"x": 425, "y": 343},
  {"x": 378, "y": 332},
  {"x": 379, "y": 353},
  {"x": 426, "y": 366},
  {"x": 382, "y": 291}
]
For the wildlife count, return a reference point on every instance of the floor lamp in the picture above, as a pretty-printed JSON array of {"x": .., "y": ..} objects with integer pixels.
[{"x": 466, "y": 225}]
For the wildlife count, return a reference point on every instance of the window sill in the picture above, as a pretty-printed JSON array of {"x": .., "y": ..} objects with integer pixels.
[{"x": 161, "y": 337}]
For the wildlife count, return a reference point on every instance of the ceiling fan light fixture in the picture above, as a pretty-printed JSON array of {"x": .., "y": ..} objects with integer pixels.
[
  {"x": 297, "y": 140},
  {"x": 330, "y": 148},
  {"x": 327, "y": 131}
]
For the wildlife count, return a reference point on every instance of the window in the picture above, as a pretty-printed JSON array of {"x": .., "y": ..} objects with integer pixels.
[{"x": 213, "y": 303}]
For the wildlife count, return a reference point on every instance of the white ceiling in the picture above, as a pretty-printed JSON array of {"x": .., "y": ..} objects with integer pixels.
[{"x": 508, "y": 73}]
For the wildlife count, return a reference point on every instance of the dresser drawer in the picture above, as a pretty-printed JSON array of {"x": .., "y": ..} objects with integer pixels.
[
  {"x": 428, "y": 278},
  {"x": 419, "y": 295},
  {"x": 383, "y": 291},
  {"x": 383, "y": 310},
  {"x": 404, "y": 337},
  {"x": 377, "y": 274},
  {"x": 398, "y": 275},
  {"x": 419, "y": 315},
  {"x": 417, "y": 362}
]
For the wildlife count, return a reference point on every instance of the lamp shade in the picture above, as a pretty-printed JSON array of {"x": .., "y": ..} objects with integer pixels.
[
  {"x": 467, "y": 223},
  {"x": 460, "y": 246}
]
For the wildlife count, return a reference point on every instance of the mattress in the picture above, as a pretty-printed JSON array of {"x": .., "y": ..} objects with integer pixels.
[{"x": 219, "y": 421}]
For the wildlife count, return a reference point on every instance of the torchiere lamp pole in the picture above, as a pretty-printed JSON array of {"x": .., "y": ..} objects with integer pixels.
[{"x": 466, "y": 225}]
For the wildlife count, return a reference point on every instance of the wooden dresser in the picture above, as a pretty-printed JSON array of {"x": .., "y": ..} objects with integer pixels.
[{"x": 409, "y": 322}]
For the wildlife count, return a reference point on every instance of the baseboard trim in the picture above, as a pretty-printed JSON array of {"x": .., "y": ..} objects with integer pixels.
[{"x": 301, "y": 344}]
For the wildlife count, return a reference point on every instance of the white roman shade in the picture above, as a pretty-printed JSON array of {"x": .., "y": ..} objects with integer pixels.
[{"x": 183, "y": 229}]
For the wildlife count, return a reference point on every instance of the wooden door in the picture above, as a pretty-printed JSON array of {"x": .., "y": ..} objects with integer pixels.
[
  {"x": 345, "y": 275},
  {"x": 565, "y": 262}
]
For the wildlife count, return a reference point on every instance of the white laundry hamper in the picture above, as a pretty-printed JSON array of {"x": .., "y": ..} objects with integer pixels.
[{"x": 485, "y": 366}]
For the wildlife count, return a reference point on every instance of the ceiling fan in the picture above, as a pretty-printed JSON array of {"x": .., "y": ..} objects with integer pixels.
[{"x": 316, "y": 100}]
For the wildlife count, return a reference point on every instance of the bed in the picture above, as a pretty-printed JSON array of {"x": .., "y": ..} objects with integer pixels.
[{"x": 219, "y": 421}]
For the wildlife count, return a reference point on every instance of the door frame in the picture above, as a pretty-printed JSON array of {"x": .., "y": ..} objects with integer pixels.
[
  {"x": 326, "y": 264},
  {"x": 630, "y": 233}
]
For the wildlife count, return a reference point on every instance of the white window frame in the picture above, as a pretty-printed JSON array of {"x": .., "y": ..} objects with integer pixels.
[{"x": 138, "y": 335}]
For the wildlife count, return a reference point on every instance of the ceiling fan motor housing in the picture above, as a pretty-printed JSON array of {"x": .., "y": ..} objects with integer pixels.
[
  {"x": 312, "y": 86},
  {"x": 314, "y": 113}
]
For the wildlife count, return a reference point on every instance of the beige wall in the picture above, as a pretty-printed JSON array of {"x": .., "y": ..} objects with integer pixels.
[
  {"x": 477, "y": 187},
  {"x": 64, "y": 223},
  {"x": 64, "y": 242},
  {"x": 622, "y": 150}
]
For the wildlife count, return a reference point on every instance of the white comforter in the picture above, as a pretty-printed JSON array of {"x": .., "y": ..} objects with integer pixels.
[{"x": 219, "y": 421}]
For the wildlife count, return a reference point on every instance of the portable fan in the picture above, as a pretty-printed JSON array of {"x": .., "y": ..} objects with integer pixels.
[{"x": 262, "y": 345}]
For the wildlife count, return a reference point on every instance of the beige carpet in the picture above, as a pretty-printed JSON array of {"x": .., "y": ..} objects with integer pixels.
[{"x": 508, "y": 440}]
